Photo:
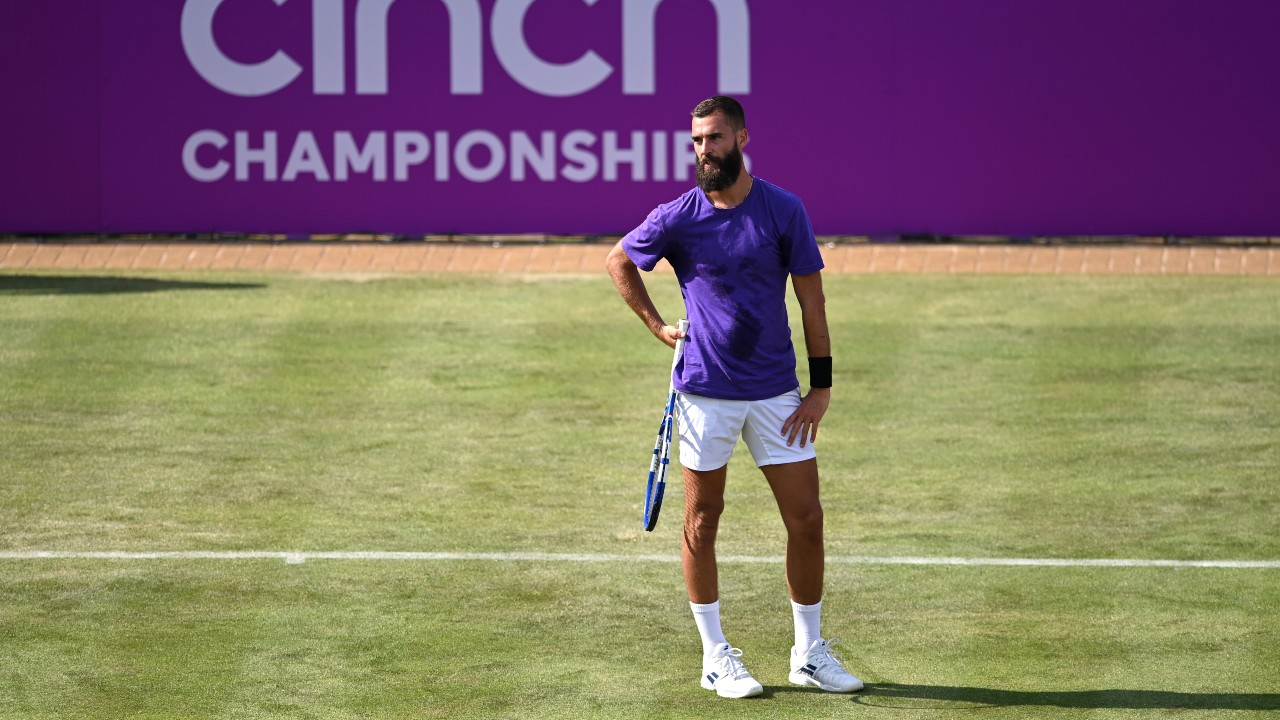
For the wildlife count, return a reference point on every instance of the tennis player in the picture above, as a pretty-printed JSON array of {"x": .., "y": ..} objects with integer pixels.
[{"x": 733, "y": 242}]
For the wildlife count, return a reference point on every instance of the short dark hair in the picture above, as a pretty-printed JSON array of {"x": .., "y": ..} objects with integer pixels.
[{"x": 731, "y": 108}]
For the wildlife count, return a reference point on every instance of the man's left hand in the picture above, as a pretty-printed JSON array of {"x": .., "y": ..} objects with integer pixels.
[{"x": 803, "y": 423}]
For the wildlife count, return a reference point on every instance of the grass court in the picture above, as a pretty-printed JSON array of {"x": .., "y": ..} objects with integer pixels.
[{"x": 506, "y": 422}]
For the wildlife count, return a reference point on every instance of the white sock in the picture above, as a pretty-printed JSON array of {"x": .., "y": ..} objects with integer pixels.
[
  {"x": 808, "y": 620},
  {"x": 707, "y": 617}
]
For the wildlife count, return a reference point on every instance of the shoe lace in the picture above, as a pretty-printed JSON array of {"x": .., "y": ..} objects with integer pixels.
[
  {"x": 730, "y": 665},
  {"x": 830, "y": 657}
]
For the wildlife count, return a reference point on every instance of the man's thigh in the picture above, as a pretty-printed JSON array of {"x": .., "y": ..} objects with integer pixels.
[
  {"x": 762, "y": 431},
  {"x": 709, "y": 430}
]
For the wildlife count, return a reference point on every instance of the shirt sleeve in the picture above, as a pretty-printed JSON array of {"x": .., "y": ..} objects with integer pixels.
[
  {"x": 803, "y": 256},
  {"x": 647, "y": 244}
]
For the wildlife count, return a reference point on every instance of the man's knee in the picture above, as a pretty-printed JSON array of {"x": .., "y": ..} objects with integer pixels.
[
  {"x": 703, "y": 504},
  {"x": 702, "y": 515},
  {"x": 805, "y": 524}
]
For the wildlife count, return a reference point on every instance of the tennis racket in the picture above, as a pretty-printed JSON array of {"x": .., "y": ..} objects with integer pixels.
[{"x": 662, "y": 448}]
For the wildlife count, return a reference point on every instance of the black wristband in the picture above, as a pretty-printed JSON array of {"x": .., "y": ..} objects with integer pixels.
[{"x": 820, "y": 372}]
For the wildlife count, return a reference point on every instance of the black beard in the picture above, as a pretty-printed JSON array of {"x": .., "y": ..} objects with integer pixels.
[{"x": 719, "y": 174}]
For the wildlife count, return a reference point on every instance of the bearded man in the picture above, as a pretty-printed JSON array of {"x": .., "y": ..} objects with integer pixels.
[{"x": 733, "y": 242}]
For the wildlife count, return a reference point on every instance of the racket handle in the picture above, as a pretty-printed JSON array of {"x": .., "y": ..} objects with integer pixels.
[{"x": 682, "y": 326}]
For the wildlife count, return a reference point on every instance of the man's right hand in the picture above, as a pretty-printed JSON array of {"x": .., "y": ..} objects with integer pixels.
[{"x": 669, "y": 334}]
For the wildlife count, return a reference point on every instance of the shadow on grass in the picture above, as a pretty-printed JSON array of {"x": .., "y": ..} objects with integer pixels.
[
  {"x": 101, "y": 285},
  {"x": 944, "y": 696}
]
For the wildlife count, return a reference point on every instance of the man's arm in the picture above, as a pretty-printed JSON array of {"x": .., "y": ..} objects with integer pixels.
[
  {"x": 803, "y": 423},
  {"x": 626, "y": 277},
  {"x": 813, "y": 313}
]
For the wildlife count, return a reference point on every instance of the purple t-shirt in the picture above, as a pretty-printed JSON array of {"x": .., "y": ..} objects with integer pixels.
[{"x": 733, "y": 267}]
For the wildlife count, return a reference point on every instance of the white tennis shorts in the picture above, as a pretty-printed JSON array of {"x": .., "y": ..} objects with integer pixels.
[{"x": 710, "y": 428}]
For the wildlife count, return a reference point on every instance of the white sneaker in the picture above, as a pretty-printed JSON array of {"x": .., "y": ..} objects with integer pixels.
[
  {"x": 725, "y": 673},
  {"x": 819, "y": 668}
]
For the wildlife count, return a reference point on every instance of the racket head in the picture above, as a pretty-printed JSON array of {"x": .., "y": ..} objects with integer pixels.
[
  {"x": 653, "y": 504},
  {"x": 657, "y": 483}
]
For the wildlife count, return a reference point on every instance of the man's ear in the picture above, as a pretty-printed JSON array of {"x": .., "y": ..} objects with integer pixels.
[{"x": 743, "y": 137}]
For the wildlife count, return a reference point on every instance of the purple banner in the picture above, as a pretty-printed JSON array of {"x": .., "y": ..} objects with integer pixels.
[
  {"x": 1080, "y": 117},
  {"x": 49, "y": 170}
]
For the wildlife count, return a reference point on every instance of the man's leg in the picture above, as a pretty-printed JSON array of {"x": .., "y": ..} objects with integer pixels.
[
  {"x": 722, "y": 671},
  {"x": 795, "y": 487},
  {"x": 703, "y": 504}
]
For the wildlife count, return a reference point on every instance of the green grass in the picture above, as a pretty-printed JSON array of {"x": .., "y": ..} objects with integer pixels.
[{"x": 1003, "y": 416}]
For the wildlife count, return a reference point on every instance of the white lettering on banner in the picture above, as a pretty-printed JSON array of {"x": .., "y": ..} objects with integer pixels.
[
  {"x": 733, "y": 52},
  {"x": 462, "y": 156},
  {"x": 221, "y": 71},
  {"x": 615, "y": 156},
  {"x": 532, "y": 71},
  {"x": 466, "y": 51},
  {"x": 660, "y": 157},
  {"x": 305, "y": 157},
  {"x": 541, "y": 159},
  {"x": 211, "y": 173},
  {"x": 478, "y": 156},
  {"x": 584, "y": 164},
  {"x": 327, "y": 33},
  {"x": 246, "y": 156},
  {"x": 347, "y": 157},
  {"x": 411, "y": 148},
  {"x": 442, "y": 158}
]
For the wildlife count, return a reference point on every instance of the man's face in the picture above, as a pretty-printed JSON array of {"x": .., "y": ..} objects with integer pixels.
[{"x": 719, "y": 152}]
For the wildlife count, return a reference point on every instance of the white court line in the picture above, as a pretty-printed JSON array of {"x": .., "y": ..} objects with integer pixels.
[{"x": 297, "y": 558}]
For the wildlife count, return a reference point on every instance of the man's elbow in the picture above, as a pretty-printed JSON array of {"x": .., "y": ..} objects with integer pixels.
[{"x": 617, "y": 260}]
